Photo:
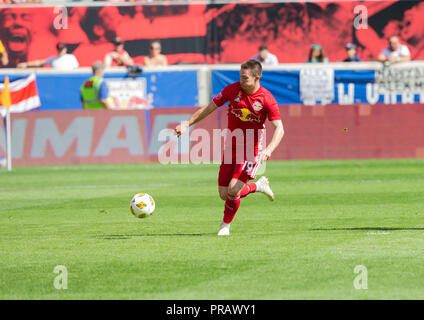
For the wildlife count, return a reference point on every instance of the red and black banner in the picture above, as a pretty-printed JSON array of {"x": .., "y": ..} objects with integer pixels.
[{"x": 213, "y": 33}]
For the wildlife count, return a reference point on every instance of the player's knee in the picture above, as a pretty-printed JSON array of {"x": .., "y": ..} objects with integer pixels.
[
  {"x": 233, "y": 191},
  {"x": 223, "y": 195}
]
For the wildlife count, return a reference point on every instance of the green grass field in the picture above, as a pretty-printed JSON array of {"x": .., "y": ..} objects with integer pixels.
[{"x": 328, "y": 217}]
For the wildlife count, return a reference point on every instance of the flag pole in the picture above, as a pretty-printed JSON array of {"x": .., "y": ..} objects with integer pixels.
[
  {"x": 9, "y": 141},
  {"x": 6, "y": 101}
]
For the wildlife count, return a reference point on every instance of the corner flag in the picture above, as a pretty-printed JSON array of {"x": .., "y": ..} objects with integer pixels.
[{"x": 5, "y": 94}]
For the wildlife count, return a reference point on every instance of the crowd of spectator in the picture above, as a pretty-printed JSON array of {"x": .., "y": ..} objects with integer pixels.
[
  {"x": 394, "y": 52},
  {"x": 118, "y": 57}
]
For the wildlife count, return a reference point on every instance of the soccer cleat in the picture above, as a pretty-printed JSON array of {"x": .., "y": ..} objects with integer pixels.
[
  {"x": 262, "y": 185},
  {"x": 224, "y": 229}
]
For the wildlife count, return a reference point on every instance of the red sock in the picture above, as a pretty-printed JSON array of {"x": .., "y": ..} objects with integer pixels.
[
  {"x": 231, "y": 206},
  {"x": 248, "y": 188}
]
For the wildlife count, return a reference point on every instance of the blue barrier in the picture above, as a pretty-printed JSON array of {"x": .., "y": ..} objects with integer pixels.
[
  {"x": 178, "y": 86},
  {"x": 166, "y": 89},
  {"x": 284, "y": 85}
]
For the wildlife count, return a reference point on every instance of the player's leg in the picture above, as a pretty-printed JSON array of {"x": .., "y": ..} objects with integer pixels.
[
  {"x": 224, "y": 177},
  {"x": 244, "y": 173},
  {"x": 223, "y": 191},
  {"x": 232, "y": 204},
  {"x": 247, "y": 173},
  {"x": 262, "y": 185},
  {"x": 248, "y": 189}
]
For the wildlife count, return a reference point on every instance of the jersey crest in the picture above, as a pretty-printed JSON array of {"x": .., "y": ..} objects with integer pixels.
[{"x": 257, "y": 106}]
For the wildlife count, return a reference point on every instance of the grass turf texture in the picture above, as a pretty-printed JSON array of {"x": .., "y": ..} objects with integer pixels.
[{"x": 328, "y": 217}]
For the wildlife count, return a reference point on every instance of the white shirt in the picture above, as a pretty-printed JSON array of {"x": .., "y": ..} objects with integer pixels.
[
  {"x": 65, "y": 62},
  {"x": 270, "y": 59},
  {"x": 401, "y": 51}
]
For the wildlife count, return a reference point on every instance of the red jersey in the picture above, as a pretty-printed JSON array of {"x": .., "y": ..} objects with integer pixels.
[{"x": 248, "y": 111}]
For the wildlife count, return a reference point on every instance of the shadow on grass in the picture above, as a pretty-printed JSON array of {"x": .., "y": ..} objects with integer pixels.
[
  {"x": 129, "y": 236},
  {"x": 366, "y": 229}
]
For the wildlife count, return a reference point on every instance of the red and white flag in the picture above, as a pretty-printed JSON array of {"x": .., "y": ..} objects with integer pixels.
[{"x": 24, "y": 95}]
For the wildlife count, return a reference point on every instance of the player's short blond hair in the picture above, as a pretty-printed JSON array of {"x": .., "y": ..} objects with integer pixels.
[{"x": 254, "y": 66}]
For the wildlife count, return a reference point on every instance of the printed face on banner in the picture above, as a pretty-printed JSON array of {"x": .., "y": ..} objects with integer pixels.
[{"x": 16, "y": 31}]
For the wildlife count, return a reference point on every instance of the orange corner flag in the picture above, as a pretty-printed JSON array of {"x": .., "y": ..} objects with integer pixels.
[{"x": 5, "y": 94}]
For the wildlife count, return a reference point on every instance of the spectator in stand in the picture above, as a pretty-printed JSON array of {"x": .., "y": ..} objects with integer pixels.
[
  {"x": 63, "y": 60},
  {"x": 395, "y": 52},
  {"x": 4, "y": 58},
  {"x": 155, "y": 57},
  {"x": 265, "y": 57},
  {"x": 118, "y": 57},
  {"x": 94, "y": 91},
  {"x": 316, "y": 54},
  {"x": 351, "y": 53}
]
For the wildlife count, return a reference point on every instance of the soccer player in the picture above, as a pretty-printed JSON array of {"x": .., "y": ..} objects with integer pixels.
[{"x": 249, "y": 106}]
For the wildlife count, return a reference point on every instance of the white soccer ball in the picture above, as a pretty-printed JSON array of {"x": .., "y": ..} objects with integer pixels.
[{"x": 142, "y": 205}]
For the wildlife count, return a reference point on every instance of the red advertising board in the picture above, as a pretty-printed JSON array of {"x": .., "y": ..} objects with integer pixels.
[
  {"x": 73, "y": 137},
  {"x": 319, "y": 132}
]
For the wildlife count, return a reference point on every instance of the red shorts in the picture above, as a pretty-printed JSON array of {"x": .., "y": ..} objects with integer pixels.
[{"x": 240, "y": 171}]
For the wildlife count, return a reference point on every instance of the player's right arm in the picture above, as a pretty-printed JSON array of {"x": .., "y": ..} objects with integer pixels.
[
  {"x": 196, "y": 117},
  {"x": 219, "y": 100}
]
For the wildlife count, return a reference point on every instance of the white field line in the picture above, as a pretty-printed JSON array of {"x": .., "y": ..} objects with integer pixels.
[{"x": 104, "y": 186}]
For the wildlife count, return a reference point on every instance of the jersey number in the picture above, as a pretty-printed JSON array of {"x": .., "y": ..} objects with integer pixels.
[{"x": 248, "y": 165}]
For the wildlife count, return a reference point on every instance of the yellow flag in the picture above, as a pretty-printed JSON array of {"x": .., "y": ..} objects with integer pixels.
[{"x": 5, "y": 94}]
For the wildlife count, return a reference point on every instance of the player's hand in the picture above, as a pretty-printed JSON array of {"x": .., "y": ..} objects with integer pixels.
[
  {"x": 181, "y": 128},
  {"x": 22, "y": 65},
  {"x": 264, "y": 156}
]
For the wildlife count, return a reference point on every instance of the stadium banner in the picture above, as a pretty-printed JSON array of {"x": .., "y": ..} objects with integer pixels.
[
  {"x": 316, "y": 85},
  {"x": 212, "y": 33},
  {"x": 349, "y": 86},
  {"x": 153, "y": 89},
  {"x": 400, "y": 80},
  {"x": 24, "y": 95},
  {"x": 128, "y": 94},
  {"x": 104, "y": 136}
]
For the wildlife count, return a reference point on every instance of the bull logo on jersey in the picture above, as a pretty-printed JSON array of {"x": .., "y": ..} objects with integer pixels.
[
  {"x": 257, "y": 106},
  {"x": 245, "y": 114}
]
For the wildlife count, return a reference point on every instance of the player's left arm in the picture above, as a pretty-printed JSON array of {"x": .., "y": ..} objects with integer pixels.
[{"x": 275, "y": 141}]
